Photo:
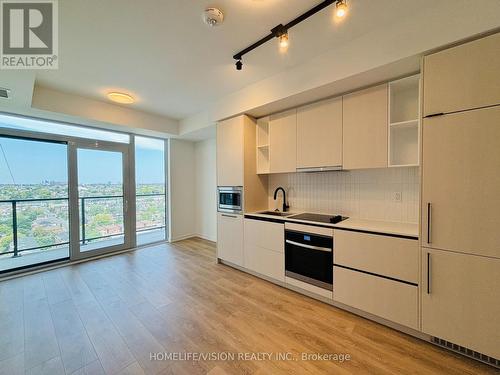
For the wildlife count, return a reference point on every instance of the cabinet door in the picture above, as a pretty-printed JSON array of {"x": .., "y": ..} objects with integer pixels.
[
  {"x": 230, "y": 238},
  {"x": 463, "y": 77},
  {"x": 365, "y": 128},
  {"x": 319, "y": 134},
  {"x": 283, "y": 142},
  {"x": 264, "y": 248},
  {"x": 230, "y": 152},
  {"x": 461, "y": 182},
  {"x": 462, "y": 303},
  {"x": 265, "y": 234}
]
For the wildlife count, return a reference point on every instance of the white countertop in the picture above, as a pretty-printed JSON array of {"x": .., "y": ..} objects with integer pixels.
[{"x": 376, "y": 226}]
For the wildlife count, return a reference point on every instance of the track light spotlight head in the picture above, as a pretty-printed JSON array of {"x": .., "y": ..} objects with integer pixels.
[
  {"x": 341, "y": 8},
  {"x": 284, "y": 40},
  {"x": 239, "y": 64}
]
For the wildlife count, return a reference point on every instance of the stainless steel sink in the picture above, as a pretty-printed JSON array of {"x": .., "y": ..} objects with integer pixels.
[{"x": 276, "y": 213}]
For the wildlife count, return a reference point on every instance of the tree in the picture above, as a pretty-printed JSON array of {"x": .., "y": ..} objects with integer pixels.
[{"x": 5, "y": 243}]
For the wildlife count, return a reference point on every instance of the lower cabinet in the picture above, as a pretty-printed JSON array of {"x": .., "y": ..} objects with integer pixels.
[
  {"x": 388, "y": 299},
  {"x": 264, "y": 248},
  {"x": 461, "y": 299},
  {"x": 378, "y": 274},
  {"x": 230, "y": 238}
]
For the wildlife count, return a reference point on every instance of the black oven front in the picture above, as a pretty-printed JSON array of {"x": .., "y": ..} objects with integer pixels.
[{"x": 309, "y": 258}]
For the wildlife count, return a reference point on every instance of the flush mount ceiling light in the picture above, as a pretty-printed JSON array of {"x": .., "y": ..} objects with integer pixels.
[
  {"x": 119, "y": 97},
  {"x": 281, "y": 31}
]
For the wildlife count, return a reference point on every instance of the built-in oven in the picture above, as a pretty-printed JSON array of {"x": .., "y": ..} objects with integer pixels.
[
  {"x": 309, "y": 258},
  {"x": 230, "y": 199}
]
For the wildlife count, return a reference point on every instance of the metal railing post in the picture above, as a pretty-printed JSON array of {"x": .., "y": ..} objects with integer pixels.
[
  {"x": 83, "y": 220},
  {"x": 14, "y": 228}
]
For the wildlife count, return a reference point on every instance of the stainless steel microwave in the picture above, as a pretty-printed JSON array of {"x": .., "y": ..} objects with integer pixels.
[{"x": 230, "y": 199}]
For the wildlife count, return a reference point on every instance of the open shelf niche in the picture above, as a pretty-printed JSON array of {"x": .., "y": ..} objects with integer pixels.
[
  {"x": 262, "y": 145},
  {"x": 404, "y": 123}
]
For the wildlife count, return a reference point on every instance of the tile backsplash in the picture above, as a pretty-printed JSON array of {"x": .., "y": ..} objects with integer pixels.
[{"x": 364, "y": 194}]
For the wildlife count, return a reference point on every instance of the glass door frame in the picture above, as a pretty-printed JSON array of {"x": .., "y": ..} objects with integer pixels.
[
  {"x": 73, "y": 143},
  {"x": 128, "y": 183}
]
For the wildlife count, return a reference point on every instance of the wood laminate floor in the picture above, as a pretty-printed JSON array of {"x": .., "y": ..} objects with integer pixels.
[{"x": 106, "y": 316}]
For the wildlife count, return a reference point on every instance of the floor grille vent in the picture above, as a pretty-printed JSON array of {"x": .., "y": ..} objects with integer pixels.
[
  {"x": 4, "y": 93},
  {"x": 467, "y": 352}
]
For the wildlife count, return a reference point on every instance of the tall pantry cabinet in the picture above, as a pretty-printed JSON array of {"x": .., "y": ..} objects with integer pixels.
[
  {"x": 236, "y": 167},
  {"x": 461, "y": 195}
]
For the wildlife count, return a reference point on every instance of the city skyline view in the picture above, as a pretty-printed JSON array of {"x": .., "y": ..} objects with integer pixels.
[{"x": 47, "y": 161}]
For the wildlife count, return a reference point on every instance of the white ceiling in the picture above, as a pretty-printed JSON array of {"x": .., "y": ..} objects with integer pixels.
[{"x": 162, "y": 53}]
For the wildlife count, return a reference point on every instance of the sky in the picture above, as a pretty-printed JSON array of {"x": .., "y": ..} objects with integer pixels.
[{"x": 32, "y": 162}]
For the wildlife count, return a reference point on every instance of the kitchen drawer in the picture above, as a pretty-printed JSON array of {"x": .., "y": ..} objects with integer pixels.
[
  {"x": 383, "y": 255},
  {"x": 265, "y": 234},
  {"x": 388, "y": 299},
  {"x": 264, "y": 261}
]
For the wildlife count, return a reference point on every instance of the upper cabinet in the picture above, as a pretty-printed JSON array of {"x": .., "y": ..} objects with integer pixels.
[
  {"x": 404, "y": 122},
  {"x": 319, "y": 134},
  {"x": 365, "y": 128},
  {"x": 283, "y": 142},
  {"x": 236, "y": 163},
  {"x": 230, "y": 152},
  {"x": 460, "y": 78},
  {"x": 263, "y": 145}
]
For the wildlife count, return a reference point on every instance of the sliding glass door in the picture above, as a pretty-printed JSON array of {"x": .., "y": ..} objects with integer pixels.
[{"x": 101, "y": 195}]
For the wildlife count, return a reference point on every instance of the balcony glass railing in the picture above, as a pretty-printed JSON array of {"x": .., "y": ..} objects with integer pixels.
[{"x": 37, "y": 224}]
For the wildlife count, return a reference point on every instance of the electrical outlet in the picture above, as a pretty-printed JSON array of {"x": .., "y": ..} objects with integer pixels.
[{"x": 397, "y": 196}]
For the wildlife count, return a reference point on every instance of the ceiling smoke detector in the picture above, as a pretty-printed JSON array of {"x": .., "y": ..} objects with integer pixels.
[{"x": 213, "y": 17}]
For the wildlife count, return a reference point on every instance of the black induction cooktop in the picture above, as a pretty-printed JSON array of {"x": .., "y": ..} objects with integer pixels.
[{"x": 319, "y": 218}]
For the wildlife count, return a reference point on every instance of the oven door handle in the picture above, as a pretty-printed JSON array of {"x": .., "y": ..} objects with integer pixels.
[{"x": 311, "y": 247}]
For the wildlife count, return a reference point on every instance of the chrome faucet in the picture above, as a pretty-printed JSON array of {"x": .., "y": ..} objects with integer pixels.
[{"x": 285, "y": 206}]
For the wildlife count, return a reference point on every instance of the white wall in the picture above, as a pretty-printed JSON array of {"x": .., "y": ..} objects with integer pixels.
[
  {"x": 181, "y": 185},
  {"x": 363, "y": 194},
  {"x": 205, "y": 189}
]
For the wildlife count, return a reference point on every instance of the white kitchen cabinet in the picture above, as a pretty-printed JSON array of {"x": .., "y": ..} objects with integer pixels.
[
  {"x": 264, "y": 248},
  {"x": 283, "y": 142},
  {"x": 461, "y": 182},
  {"x": 388, "y": 299},
  {"x": 461, "y": 299},
  {"x": 463, "y": 77},
  {"x": 404, "y": 122},
  {"x": 230, "y": 238},
  {"x": 236, "y": 162},
  {"x": 388, "y": 256},
  {"x": 319, "y": 134},
  {"x": 230, "y": 149},
  {"x": 365, "y": 118}
]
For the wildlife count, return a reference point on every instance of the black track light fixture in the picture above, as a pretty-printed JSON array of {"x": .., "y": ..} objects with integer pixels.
[{"x": 281, "y": 31}]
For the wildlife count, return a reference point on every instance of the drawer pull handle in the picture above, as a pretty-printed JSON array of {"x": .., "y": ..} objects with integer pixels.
[
  {"x": 429, "y": 212},
  {"x": 428, "y": 273},
  {"x": 311, "y": 247}
]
